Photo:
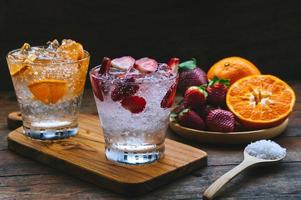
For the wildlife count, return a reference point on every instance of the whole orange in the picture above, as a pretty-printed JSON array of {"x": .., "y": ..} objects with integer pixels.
[{"x": 232, "y": 69}]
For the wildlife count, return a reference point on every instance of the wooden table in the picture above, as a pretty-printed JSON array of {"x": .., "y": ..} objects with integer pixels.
[{"x": 21, "y": 178}]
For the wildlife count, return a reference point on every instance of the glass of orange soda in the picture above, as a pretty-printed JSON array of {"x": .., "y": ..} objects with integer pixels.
[{"x": 49, "y": 82}]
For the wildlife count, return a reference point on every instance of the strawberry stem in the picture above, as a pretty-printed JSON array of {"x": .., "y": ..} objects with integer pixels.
[
  {"x": 203, "y": 90},
  {"x": 217, "y": 80},
  {"x": 184, "y": 111},
  {"x": 188, "y": 65}
]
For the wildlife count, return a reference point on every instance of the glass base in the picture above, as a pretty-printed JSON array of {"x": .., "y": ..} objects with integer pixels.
[
  {"x": 120, "y": 156},
  {"x": 50, "y": 133}
]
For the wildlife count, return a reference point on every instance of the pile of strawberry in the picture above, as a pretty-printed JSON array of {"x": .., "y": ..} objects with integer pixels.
[{"x": 204, "y": 104}]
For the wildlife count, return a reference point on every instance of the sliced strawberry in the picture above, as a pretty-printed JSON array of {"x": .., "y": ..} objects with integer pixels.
[
  {"x": 124, "y": 89},
  {"x": 169, "y": 97},
  {"x": 135, "y": 104},
  {"x": 96, "y": 87},
  {"x": 123, "y": 63},
  {"x": 173, "y": 63},
  {"x": 105, "y": 66},
  {"x": 146, "y": 65}
]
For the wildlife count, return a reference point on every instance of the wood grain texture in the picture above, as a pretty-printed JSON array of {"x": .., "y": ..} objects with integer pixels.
[
  {"x": 25, "y": 179},
  {"x": 249, "y": 161},
  {"x": 83, "y": 156}
]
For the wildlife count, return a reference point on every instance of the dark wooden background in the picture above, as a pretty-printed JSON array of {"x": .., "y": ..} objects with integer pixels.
[{"x": 266, "y": 32}]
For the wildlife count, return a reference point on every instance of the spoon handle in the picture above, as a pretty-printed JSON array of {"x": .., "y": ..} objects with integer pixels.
[{"x": 223, "y": 180}]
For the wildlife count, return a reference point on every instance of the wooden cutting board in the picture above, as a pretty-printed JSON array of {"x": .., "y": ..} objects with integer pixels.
[{"x": 83, "y": 156}]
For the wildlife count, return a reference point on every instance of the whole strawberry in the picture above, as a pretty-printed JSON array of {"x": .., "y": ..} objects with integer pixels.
[
  {"x": 190, "y": 75},
  {"x": 204, "y": 112},
  {"x": 217, "y": 91},
  {"x": 191, "y": 119},
  {"x": 195, "y": 98},
  {"x": 220, "y": 120}
]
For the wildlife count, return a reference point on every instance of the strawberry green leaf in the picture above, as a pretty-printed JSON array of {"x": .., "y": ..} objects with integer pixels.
[
  {"x": 217, "y": 80},
  {"x": 213, "y": 81},
  {"x": 173, "y": 115},
  {"x": 188, "y": 65},
  {"x": 225, "y": 82},
  {"x": 184, "y": 111},
  {"x": 202, "y": 88}
]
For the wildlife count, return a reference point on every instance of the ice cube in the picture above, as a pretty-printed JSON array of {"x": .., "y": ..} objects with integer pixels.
[
  {"x": 40, "y": 54},
  {"x": 31, "y": 58},
  {"x": 134, "y": 73},
  {"x": 22, "y": 54},
  {"x": 53, "y": 45},
  {"x": 71, "y": 50},
  {"x": 164, "y": 70},
  {"x": 25, "y": 48},
  {"x": 163, "y": 67}
]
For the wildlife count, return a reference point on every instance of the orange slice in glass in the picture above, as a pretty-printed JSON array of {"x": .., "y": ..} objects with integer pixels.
[
  {"x": 49, "y": 90},
  {"x": 260, "y": 101},
  {"x": 16, "y": 69},
  {"x": 71, "y": 50}
]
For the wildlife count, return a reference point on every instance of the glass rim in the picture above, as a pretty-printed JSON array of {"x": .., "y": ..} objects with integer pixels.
[
  {"x": 15, "y": 61},
  {"x": 140, "y": 80}
]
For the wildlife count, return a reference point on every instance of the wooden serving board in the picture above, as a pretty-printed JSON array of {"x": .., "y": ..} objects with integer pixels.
[{"x": 83, "y": 156}]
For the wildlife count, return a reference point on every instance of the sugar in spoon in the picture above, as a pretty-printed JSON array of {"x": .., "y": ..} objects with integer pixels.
[{"x": 249, "y": 160}]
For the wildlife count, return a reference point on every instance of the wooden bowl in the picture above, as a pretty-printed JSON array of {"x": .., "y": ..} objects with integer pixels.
[{"x": 225, "y": 138}]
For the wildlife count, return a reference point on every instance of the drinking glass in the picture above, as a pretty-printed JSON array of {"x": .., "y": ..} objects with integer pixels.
[
  {"x": 49, "y": 93},
  {"x": 134, "y": 114}
]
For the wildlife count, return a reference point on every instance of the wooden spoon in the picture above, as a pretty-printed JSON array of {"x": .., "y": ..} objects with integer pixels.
[{"x": 248, "y": 161}]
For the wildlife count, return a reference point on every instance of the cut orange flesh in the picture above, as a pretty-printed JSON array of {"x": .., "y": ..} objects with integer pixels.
[
  {"x": 16, "y": 69},
  {"x": 49, "y": 90},
  {"x": 260, "y": 101}
]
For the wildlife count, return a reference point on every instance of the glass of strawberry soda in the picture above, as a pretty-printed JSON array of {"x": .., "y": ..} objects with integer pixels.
[{"x": 134, "y": 99}]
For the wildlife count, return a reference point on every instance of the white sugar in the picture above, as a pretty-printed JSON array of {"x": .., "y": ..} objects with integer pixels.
[{"x": 266, "y": 149}]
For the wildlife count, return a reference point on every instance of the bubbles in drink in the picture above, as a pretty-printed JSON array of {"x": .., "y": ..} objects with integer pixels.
[
  {"x": 49, "y": 81},
  {"x": 53, "y": 45},
  {"x": 134, "y": 103}
]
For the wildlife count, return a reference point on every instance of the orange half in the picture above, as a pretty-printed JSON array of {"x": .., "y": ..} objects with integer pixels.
[
  {"x": 49, "y": 90},
  {"x": 260, "y": 101}
]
